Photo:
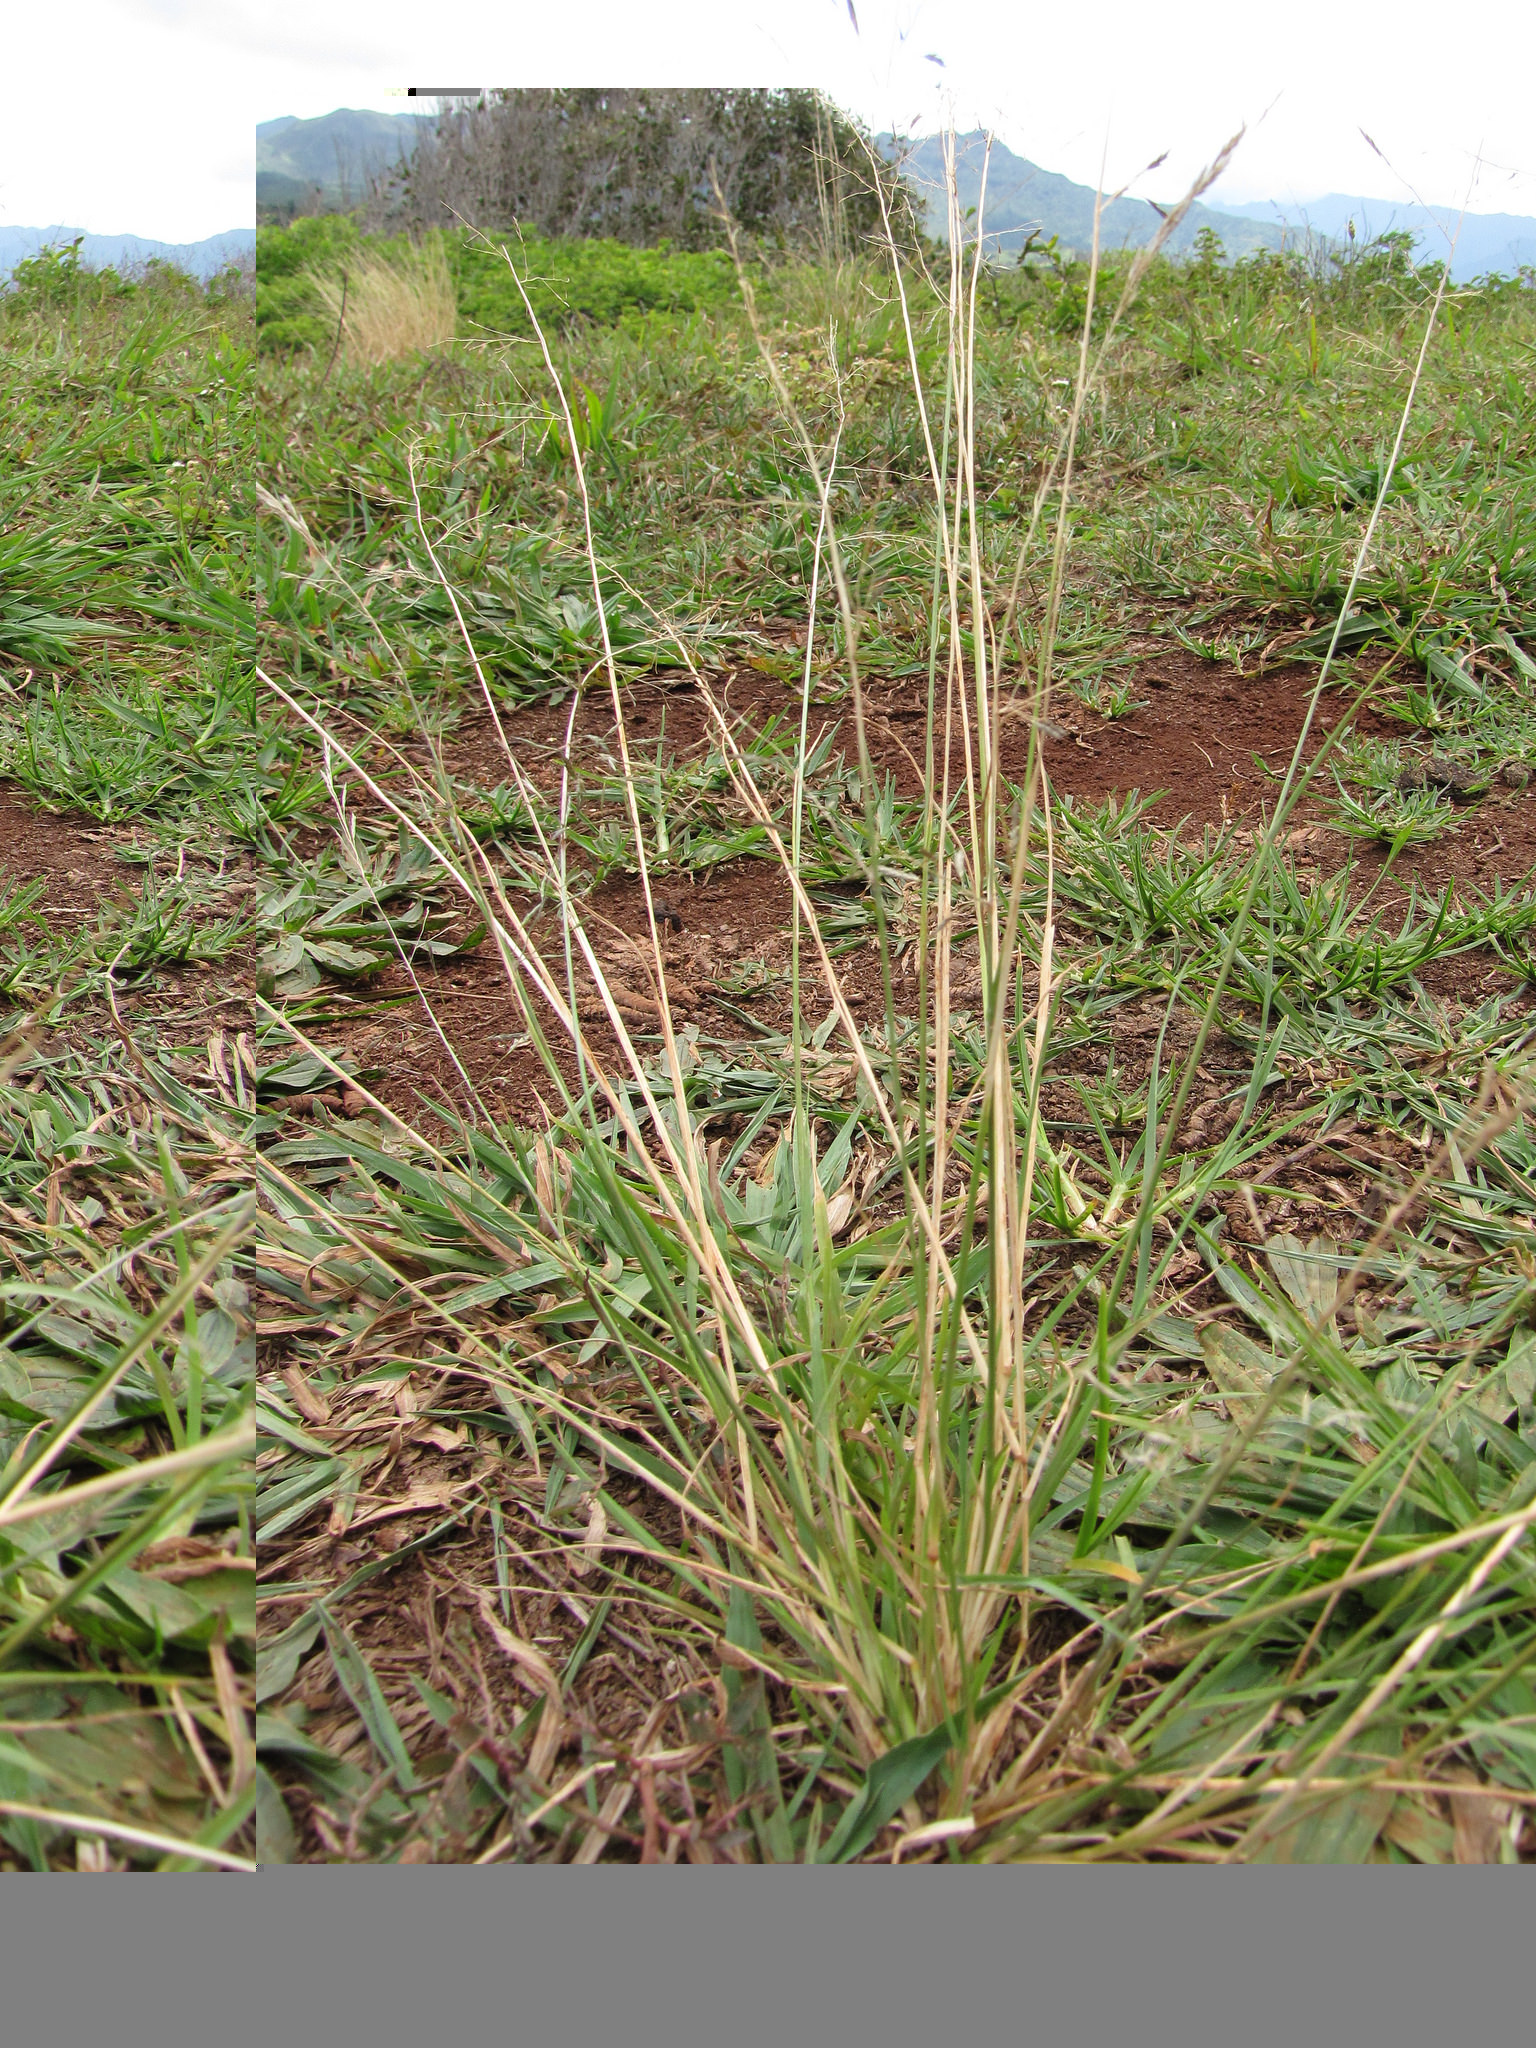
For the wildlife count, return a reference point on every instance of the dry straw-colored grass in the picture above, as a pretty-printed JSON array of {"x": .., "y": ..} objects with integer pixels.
[{"x": 388, "y": 307}]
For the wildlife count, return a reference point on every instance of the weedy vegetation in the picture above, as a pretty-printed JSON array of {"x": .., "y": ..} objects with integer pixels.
[{"x": 877, "y": 1308}]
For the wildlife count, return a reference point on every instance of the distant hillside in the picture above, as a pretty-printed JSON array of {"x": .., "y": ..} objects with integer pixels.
[
  {"x": 325, "y": 164},
  {"x": 1021, "y": 197},
  {"x": 1503, "y": 242},
  {"x": 203, "y": 259},
  {"x": 322, "y": 165}
]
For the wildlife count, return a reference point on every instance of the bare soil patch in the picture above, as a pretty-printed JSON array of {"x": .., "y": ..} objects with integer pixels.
[
  {"x": 1212, "y": 741},
  {"x": 73, "y": 859}
]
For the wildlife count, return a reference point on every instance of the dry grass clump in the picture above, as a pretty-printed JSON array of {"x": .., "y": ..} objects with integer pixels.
[{"x": 386, "y": 307}]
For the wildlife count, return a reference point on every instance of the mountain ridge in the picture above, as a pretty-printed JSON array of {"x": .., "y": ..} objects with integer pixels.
[
  {"x": 1022, "y": 198},
  {"x": 328, "y": 158},
  {"x": 1487, "y": 242},
  {"x": 203, "y": 259}
]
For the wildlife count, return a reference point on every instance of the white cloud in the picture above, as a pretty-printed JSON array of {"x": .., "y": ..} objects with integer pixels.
[
  {"x": 146, "y": 137},
  {"x": 162, "y": 93},
  {"x": 1128, "y": 81}
]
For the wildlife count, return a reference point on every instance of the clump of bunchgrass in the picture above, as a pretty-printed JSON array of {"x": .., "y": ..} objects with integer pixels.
[
  {"x": 1394, "y": 817},
  {"x": 876, "y": 1451},
  {"x": 385, "y": 306}
]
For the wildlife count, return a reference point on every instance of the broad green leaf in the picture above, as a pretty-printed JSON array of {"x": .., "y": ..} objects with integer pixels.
[
  {"x": 366, "y": 1695},
  {"x": 342, "y": 958},
  {"x": 892, "y": 1780},
  {"x": 1238, "y": 1366},
  {"x": 1424, "y": 1835},
  {"x": 1308, "y": 1273},
  {"x": 276, "y": 1841},
  {"x": 278, "y": 1661},
  {"x": 1339, "y": 1827},
  {"x": 189, "y": 1612}
]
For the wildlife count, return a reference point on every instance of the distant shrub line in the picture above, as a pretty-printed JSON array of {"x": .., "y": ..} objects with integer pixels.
[
  {"x": 568, "y": 280},
  {"x": 573, "y": 280},
  {"x": 55, "y": 280}
]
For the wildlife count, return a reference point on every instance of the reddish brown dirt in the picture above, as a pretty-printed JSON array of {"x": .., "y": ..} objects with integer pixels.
[
  {"x": 73, "y": 860},
  {"x": 1194, "y": 738},
  {"x": 732, "y": 918},
  {"x": 1197, "y": 739},
  {"x": 1199, "y": 736}
]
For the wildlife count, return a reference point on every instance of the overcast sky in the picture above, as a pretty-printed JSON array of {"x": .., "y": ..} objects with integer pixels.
[{"x": 153, "y": 132}]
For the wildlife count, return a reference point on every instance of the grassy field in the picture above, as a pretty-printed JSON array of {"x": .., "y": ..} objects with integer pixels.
[{"x": 765, "y": 1062}]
